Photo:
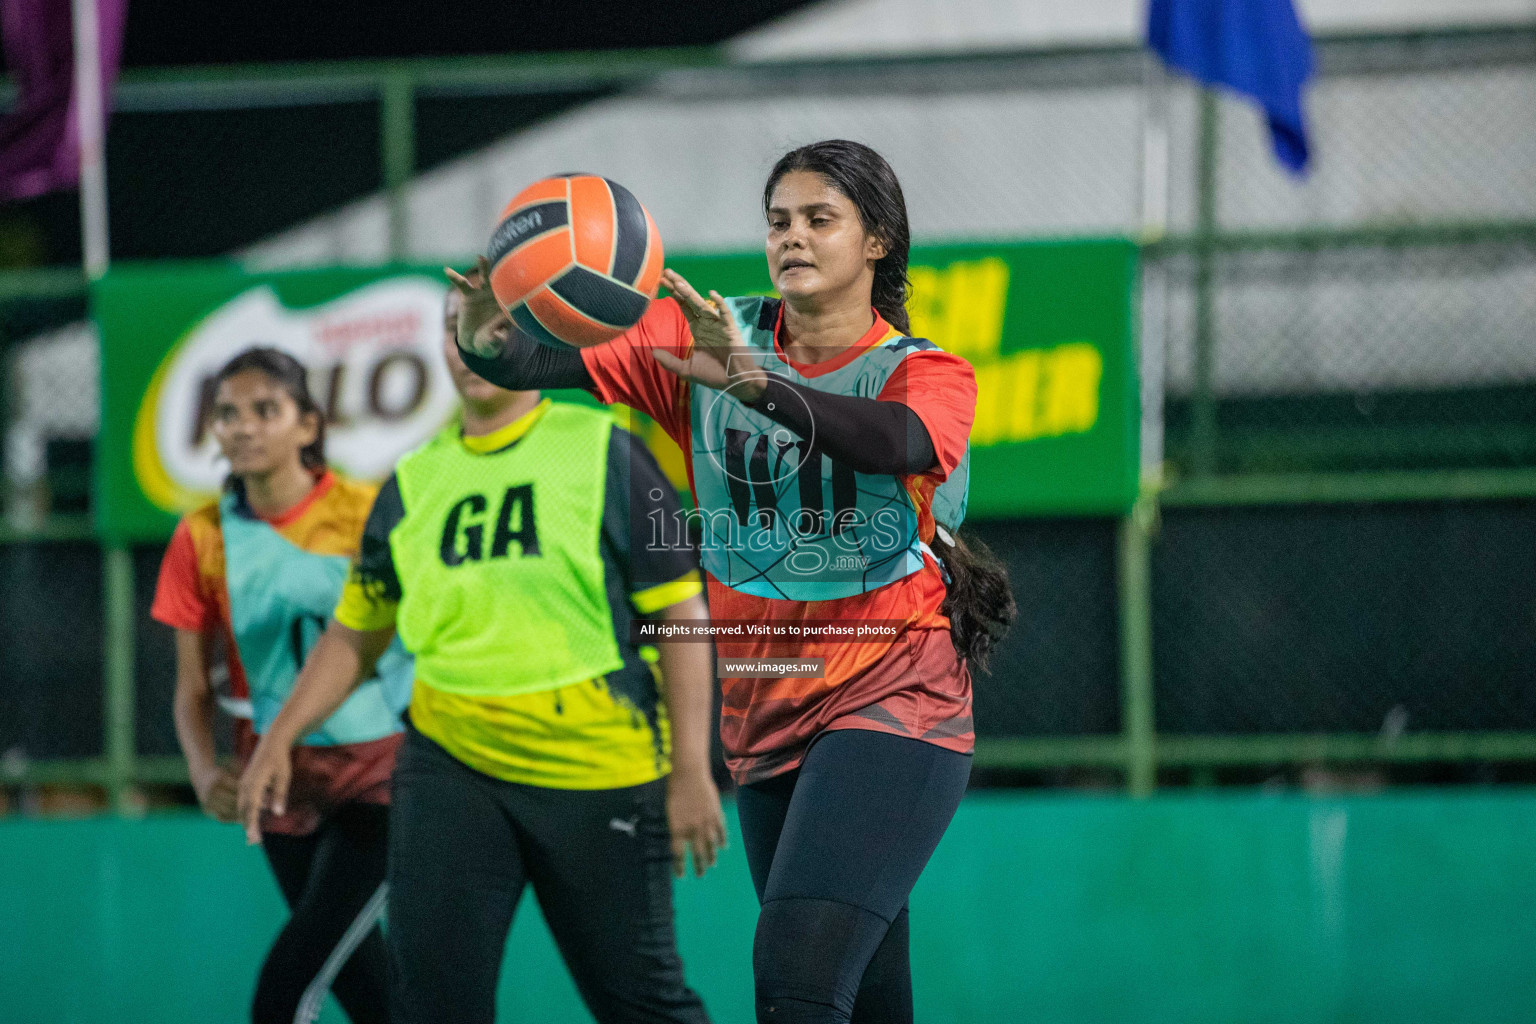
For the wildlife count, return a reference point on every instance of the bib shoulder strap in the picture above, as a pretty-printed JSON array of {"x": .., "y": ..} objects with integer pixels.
[
  {"x": 229, "y": 511},
  {"x": 756, "y": 315},
  {"x": 571, "y": 414},
  {"x": 410, "y": 463}
]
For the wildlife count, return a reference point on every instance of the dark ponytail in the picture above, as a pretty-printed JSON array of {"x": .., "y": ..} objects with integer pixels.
[
  {"x": 289, "y": 374},
  {"x": 862, "y": 175},
  {"x": 978, "y": 601}
]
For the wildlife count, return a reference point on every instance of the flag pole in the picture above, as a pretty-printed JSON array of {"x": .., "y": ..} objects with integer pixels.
[
  {"x": 1134, "y": 538},
  {"x": 118, "y": 684},
  {"x": 90, "y": 126},
  {"x": 1154, "y": 227}
]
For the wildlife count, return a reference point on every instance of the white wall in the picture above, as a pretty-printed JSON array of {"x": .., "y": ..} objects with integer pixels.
[
  {"x": 974, "y": 164},
  {"x": 1426, "y": 145},
  {"x": 918, "y": 26}
]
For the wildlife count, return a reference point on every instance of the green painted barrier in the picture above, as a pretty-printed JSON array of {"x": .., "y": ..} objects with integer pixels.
[{"x": 1410, "y": 907}]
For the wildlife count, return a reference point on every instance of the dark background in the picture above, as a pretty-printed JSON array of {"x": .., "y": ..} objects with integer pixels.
[
  {"x": 172, "y": 32},
  {"x": 201, "y": 183},
  {"x": 1348, "y": 614}
]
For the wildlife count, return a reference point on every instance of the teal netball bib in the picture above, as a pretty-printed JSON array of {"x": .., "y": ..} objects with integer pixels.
[
  {"x": 280, "y": 600},
  {"x": 951, "y": 496},
  {"x": 778, "y": 518}
]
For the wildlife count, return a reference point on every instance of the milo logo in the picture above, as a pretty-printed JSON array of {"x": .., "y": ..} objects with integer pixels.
[{"x": 375, "y": 368}]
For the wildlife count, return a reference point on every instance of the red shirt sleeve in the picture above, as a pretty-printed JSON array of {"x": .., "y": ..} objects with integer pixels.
[
  {"x": 180, "y": 599},
  {"x": 941, "y": 388},
  {"x": 624, "y": 372}
]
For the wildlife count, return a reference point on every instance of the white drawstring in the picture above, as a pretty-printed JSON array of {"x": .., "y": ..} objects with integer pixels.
[{"x": 943, "y": 569}]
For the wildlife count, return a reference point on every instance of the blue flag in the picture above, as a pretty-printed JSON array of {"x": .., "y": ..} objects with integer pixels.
[{"x": 1256, "y": 47}]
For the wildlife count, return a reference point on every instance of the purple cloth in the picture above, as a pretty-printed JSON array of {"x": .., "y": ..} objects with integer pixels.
[{"x": 39, "y": 138}]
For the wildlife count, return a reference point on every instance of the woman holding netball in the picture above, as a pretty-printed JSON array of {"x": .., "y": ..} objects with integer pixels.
[
  {"x": 258, "y": 571},
  {"x": 827, "y": 454}
]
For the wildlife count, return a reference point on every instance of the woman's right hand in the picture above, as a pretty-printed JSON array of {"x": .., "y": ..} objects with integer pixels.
[
  {"x": 482, "y": 323},
  {"x": 218, "y": 794},
  {"x": 695, "y": 819},
  {"x": 264, "y": 784}
]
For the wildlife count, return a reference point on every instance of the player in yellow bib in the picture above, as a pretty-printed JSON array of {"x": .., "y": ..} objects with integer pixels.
[{"x": 543, "y": 746}]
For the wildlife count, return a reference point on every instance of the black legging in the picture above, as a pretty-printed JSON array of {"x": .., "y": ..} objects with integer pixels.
[
  {"x": 333, "y": 880},
  {"x": 464, "y": 846},
  {"x": 835, "y": 848}
]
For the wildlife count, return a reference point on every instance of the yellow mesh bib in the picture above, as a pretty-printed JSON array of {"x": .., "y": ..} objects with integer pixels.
[{"x": 500, "y": 559}]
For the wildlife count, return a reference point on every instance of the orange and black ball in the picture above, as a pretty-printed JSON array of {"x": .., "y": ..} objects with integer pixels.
[{"x": 575, "y": 260}]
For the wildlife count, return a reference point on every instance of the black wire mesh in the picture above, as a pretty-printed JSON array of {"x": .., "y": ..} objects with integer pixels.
[
  {"x": 1346, "y": 618},
  {"x": 1057, "y": 671}
]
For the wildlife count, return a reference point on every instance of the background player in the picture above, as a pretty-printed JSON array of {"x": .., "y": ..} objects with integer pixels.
[
  {"x": 540, "y": 739},
  {"x": 257, "y": 570},
  {"x": 848, "y": 780}
]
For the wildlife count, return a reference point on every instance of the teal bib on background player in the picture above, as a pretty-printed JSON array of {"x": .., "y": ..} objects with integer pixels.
[
  {"x": 780, "y": 519},
  {"x": 280, "y": 600}
]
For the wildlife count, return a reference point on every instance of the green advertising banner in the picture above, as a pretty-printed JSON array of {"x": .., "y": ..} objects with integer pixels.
[
  {"x": 1049, "y": 327},
  {"x": 370, "y": 338}
]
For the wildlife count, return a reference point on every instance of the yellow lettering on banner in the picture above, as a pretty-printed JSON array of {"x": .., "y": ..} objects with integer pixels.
[
  {"x": 925, "y": 306},
  {"x": 960, "y": 308},
  {"x": 978, "y": 296},
  {"x": 1021, "y": 396},
  {"x": 1024, "y": 417},
  {"x": 1071, "y": 392},
  {"x": 1038, "y": 393},
  {"x": 992, "y": 397}
]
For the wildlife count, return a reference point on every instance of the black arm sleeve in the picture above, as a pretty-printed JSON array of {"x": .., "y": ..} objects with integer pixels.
[
  {"x": 374, "y": 567},
  {"x": 864, "y": 434},
  {"x": 642, "y": 517},
  {"x": 525, "y": 365}
]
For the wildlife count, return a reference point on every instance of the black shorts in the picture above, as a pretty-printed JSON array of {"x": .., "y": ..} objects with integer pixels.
[{"x": 462, "y": 845}]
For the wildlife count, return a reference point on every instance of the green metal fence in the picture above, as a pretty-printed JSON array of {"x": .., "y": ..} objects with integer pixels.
[{"x": 1234, "y": 441}]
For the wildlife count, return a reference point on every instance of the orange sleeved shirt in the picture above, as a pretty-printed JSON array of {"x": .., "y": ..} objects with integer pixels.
[
  {"x": 181, "y": 600},
  {"x": 915, "y": 685},
  {"x": 191, "y": 594}
]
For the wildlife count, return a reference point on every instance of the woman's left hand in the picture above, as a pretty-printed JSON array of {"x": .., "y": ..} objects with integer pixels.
[
  {"x": 219, "y": 798},
  {"x": 264, "y": 784},
  {"x": 719, "y": 358}
]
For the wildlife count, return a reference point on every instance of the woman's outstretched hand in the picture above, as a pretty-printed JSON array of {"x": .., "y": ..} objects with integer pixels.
[
  {"x": 719, "y": 358},
  {"x": 483, "y": 324}
]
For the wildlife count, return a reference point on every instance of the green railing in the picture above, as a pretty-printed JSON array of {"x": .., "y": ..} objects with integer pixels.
[{"x": 1138, "y": 750}]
